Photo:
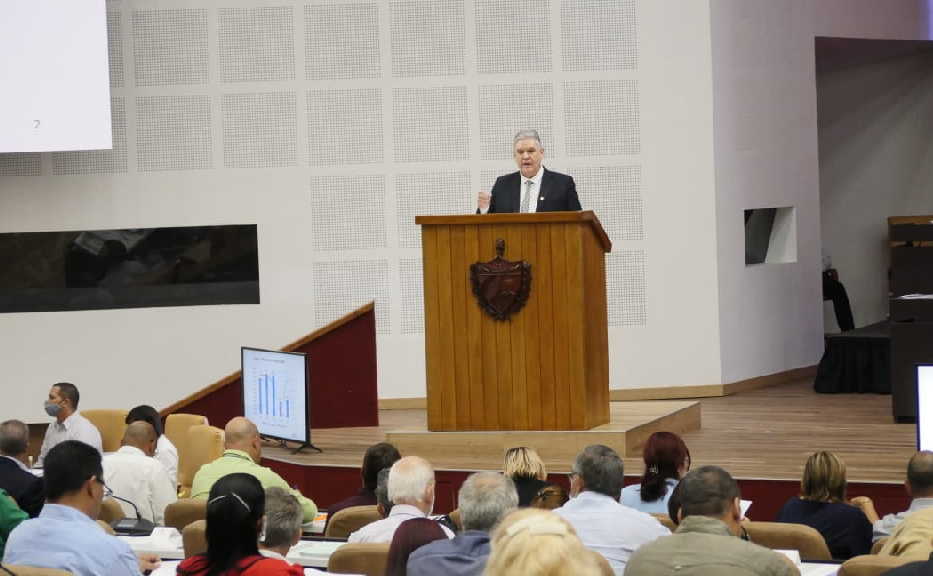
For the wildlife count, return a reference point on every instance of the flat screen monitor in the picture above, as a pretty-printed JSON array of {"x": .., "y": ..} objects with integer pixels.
[
  {"x": 275, "y": 393},
  {"x": 925, "y": 407}
]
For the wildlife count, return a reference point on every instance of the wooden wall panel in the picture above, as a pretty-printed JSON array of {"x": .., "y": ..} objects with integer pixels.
[
  {"x": 459, "y": 280},
  {"x": 562, "y": 377},
  {"x": 575, "y": 307},
  {"x": 517, "y": 328},
  {"x": 432, "y": 331},
  {"x": 474, "y": 336},
  {"x": 487, "y": 243},
  {"x": 544, "y": 293},
  {"x": 532, "y": 339}
]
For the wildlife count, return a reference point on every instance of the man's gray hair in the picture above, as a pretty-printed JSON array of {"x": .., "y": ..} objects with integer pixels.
[
  {"x": 409, "y": 479},
  {"x": 601, "y": 469},
  {"x": 484, "y": 499},
  {"x": 527, "y": 135},
  {"x": 14, "y": 438},
  {"x": 382, "y": 490},
  {"x": 283, "y": 517},
  {"x": 707, "y": 491}
]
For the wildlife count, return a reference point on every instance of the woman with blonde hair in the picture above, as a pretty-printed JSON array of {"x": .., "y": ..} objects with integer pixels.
[
  {"x": 822, "y": 505},
  {"x": 535, "y": 542},
  {"x": 526, "y": 469}
]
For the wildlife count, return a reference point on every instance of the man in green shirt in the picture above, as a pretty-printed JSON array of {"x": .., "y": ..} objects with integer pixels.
[
  {"x": 10, "y": 517},
  {"x": 242, "y": 453},
  {"x": 706, "y": 543}
]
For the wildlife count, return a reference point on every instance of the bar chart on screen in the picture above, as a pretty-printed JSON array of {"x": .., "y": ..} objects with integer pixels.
[{"x": 274, "y": 393}]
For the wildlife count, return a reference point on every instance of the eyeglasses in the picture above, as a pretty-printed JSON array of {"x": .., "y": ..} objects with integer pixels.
[{"x": 108, "y": 493}]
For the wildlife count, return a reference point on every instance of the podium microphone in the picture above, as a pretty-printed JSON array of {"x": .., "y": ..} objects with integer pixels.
[{"x": 138, "y": 527}]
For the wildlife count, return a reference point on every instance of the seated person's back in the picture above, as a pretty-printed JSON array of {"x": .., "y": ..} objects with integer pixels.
[
  {"x": 25, "y": 487},
  {"x": 133, "y": 474},
  {"x": 667, "y": 459},
  {"x": 65, "y": 536},
  {"x": 377, "y": 457}
]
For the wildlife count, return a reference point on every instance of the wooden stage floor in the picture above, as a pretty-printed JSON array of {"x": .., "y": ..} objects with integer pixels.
[{"x": 765, "y": 434}]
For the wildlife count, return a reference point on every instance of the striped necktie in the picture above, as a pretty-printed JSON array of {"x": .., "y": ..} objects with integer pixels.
[{"x": 526, "y": 199}]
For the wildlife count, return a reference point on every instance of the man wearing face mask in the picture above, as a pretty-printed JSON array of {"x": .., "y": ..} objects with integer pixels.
[
  {"x": 242, "y": 453},
  {"x": 69, "y": 424}
]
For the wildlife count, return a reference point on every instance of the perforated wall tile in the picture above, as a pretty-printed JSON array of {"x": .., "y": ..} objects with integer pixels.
[
  {"x": 431, "y": 124},
  {"x": 170, "y": 46},
  {"x": 614, "y": 193},
  {"x": 256, "y": 44},
  {"x": 625, "y": 286},
  {"x": 115, "y": 47},
  {"x": 21, "y": 164},
  {"x": 427, "y": 37},
  {"x": 260, "y": 130},
  {"x": 173, "y": 132},
  {"x": 433, "y": 194},
  {"x": 411, "y": 276},
  {"x": 348, "y": 212},
  {"x": 599, "y": 35},
  {"x": 504, "y": 109},
  {"x": 343, "y": 286},
  {"x": 602, "y": 117},
  {"x": 342, "y": 41},
  {"x": 345, "y": 126},
  {"x": 97, "y": 161},
  {"x": 513, "y": 36}
]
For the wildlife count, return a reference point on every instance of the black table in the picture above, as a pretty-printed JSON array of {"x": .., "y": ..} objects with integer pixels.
[{"x": 856, "y": 361}]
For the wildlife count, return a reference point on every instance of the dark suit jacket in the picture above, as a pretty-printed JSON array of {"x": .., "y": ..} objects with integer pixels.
[
  {"x": 24, "y": 487},
  {"x": 557, "y": 193}
]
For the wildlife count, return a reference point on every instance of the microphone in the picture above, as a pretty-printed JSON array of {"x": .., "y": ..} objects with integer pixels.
[{"x": 138, "y": 527}]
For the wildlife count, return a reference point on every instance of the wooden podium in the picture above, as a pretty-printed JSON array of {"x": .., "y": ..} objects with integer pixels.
[{"x": 544, "y": 368}]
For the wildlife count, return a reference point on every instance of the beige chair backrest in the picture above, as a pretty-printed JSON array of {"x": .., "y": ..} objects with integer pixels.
[
  {"x": 871, "y": 565},
  {"x": 878, "y": 545},
  {"x": 786, "y": 536},
  {"x": 111, "y": 424},
  {"x": 20, "y": 570},
  {"x": 194, "y": 538},
  {"x": 351, "y": 519},
  {"x": 369, "y": 559},
  {"x": 177, "y": 425},
  {"x": 666, "y": 521},
  {"x": 203, "y": 444},
  {"x": 110, "y": 511},
  {"x": 182, "y": 512}
]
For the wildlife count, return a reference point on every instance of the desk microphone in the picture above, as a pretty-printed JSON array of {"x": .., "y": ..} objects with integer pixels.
[{"x": 138, "y": 527}]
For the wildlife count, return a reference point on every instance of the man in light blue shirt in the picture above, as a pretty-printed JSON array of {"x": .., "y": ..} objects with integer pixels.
[
  {"x": 64, "y": 536},
  {"x": 602, "y": 523}
]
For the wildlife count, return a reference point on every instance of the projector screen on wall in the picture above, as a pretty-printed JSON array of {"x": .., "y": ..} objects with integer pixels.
[{"x": 54, "y": 76}]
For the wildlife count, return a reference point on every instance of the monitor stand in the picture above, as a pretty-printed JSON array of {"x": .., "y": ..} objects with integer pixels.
[
  {"x": 284, "y": 444},
  {"x": 307, "y": 445}
]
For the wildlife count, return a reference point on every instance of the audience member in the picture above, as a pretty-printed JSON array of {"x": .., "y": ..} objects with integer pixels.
[
  {"x": 69, "y": 424},
  {"x": 10, "y": 517},
  {"x": 912, "y": 538},
  {"x": 377, "y": 457},
  {"x": 667, "y": 459},
  {"x": 242, "y": 453},
  {"x": 535, "y": 542},
  {"x": 924, "y": 568},
  {"x": 235, "y": 514},
  {"x": 383, "y": 504},
  {"x": 283, "y": 523},
  {"x": 919, "y": 486},
  {"x": 707, "y": 539},
  {"x": 411, "y": 490},
  {"x": 22, "y": 485},
  {"x": 165, "y": 451},
  {"x": 822, "y": 505},
  {"x": 410, "y": 536},
  {"x": 526, "y": 469},
  {"x": 132, "y": 473},
  {"x": 484, "y": 499},
  {"x": 66, "y": 536},
  {"x": 601, "y": 522}
]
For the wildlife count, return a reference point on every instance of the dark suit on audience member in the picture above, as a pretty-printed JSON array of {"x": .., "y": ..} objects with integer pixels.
[
  {"x": 27, "y": 489},
  {"x": 558, "y": 193}
]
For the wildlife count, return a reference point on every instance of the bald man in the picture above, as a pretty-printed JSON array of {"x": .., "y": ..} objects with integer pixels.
[
  {"x": 132, "y": 473},
  {"x": 919, "y": 486},
  {"x": 242, "y": 453}
]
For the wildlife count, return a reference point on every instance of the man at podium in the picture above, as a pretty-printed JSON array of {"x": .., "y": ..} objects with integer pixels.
[{"x": 533, "y": 188}]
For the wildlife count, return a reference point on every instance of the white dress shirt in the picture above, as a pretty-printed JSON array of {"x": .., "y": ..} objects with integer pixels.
[
  {"x": 383, "y": 530},
  {"x": 75, "y": 427},
  {"x": 613, "y": 530},
  {"x": 534, "y": 191},
  {"x": 140, "y": 479},
  {"x": 167, "y": 454}
]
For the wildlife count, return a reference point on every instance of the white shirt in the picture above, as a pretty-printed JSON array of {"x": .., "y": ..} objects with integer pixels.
[
  {"x": 383, "y": 530},
  {"x": 75, "y": 427},
  {"x": 167, "y": 454},
  {"x": 631, "y": 497},
  {"x": 141, "y": 480},
  {"x": 613, "y": 530},
  {"x": 534, "y": 191}
]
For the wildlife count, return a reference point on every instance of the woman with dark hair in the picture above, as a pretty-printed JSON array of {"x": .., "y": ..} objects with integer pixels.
[
  {"x": 667, "y": 459},
  {"x": 409, "y": 536},
  {"x": 165, "y": 453},
  {"x": 235, "y": 519}
]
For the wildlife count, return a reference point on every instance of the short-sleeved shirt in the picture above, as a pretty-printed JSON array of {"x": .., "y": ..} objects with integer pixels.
[
  {"x": 844, "y": 527},
  {"x": 75, "y": 427},
  {"x": 65, "y": 538}
]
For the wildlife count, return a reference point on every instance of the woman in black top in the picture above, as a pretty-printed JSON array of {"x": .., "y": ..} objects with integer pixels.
[
  {"x": 822, "y": 505},
  {"x": 526, "y": 469}
]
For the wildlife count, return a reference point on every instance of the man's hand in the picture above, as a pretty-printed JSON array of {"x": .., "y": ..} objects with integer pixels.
[
  {"x": 148, "y": 562},
  {"x": 483, "y": 200},
  {"x": 865, "y": 504}
]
